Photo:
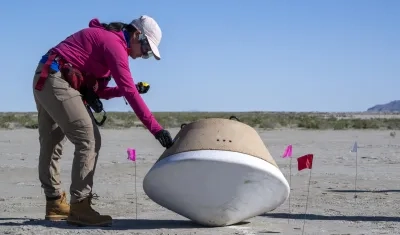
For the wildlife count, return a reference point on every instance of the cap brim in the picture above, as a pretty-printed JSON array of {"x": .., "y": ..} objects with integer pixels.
[{"x": 155, "y": 51}]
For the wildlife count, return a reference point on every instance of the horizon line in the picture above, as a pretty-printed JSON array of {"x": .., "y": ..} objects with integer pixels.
[{"x": 249, "y": 111}]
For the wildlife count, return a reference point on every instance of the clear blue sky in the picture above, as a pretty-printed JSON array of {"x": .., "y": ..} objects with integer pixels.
[{"x": 226, "y": 55}]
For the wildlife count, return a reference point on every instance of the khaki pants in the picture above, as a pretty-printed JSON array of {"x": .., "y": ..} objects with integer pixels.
[{"x": 61, "y": 113}]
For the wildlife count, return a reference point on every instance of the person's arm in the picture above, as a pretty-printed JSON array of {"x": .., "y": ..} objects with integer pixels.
[
  {"x": 109, "y": 93},
  {"x": 104, "y": 91},
  {"x": 117, "y": 60}
]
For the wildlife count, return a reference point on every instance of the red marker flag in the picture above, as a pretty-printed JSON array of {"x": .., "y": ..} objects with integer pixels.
[{"x": 305, "y": 161}]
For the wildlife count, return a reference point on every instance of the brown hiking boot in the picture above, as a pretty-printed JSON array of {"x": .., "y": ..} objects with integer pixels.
[
  {"x": 57, "y": 209},
  {"x": 82, "y": 214}
]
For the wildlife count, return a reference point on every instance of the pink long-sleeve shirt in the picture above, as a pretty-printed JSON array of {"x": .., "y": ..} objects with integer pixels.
[{"x": 102, "y": 53}]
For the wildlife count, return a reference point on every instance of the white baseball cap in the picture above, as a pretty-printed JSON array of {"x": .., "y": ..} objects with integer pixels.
[{"x": 149, "y": 27}]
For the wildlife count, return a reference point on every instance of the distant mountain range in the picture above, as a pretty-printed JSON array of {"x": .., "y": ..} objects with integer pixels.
[{"x": 393, "y": 106}]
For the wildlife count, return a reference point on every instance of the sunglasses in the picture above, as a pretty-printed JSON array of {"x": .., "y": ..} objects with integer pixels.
[{"x": 145, "y": 47}]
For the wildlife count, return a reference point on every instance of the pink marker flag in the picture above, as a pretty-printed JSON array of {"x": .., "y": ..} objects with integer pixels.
[
  {"x": 131, "y": 154},
  {"x": 288, "y": 152}
]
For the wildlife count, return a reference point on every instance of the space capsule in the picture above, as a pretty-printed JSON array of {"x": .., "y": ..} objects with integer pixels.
[{"x": 217, "y": 173}]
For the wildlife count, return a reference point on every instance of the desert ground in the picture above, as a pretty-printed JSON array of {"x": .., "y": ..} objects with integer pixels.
[{"x": 332, "y": 208}]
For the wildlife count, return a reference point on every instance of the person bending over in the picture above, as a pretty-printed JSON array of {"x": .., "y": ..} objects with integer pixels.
[{"x": 65, "y": 75}]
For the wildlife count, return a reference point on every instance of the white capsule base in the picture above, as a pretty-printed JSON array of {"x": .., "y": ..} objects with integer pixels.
[{"x": 215, "y": 187}]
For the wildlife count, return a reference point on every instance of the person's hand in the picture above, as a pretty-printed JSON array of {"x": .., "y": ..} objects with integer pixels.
[
  {"x": 164, "y": 137},
  {"x": 143, "y": 87}
]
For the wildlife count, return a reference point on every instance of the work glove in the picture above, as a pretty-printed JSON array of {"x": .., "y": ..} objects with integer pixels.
[
  {"x": 164, "y": 137},
  {"x": 143, "y": 87}
]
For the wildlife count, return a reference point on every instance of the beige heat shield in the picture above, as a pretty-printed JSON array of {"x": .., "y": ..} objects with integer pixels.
[{"x": 219, "y": 134}]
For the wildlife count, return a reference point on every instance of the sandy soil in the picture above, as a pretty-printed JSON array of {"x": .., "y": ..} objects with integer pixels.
[{"x": 332, "y": 208}]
